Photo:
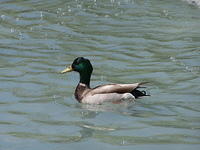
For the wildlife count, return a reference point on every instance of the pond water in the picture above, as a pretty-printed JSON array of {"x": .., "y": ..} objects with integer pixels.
[{"x": 127, "y": 41}]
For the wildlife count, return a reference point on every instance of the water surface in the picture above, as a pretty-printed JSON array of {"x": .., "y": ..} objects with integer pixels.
[{"x": 127, "y": 41}]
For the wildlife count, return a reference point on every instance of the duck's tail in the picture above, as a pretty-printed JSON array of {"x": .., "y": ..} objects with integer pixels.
[{"x": 137, "y": 93}]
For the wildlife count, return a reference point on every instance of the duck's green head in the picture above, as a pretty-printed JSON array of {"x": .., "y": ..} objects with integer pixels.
[{"x": 83, "y": 66}]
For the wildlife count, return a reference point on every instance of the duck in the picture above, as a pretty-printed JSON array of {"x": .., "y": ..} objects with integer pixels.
[{"x": 115, "y": 93}]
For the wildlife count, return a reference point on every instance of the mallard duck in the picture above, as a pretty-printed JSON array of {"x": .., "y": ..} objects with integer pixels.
[{"x": 115, "y": 93}]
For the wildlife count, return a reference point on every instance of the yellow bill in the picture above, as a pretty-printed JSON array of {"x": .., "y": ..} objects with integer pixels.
[{"x": 68, "y": 69}]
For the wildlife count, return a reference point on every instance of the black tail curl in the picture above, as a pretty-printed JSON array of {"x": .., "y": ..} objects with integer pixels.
[{"x": 138, "y": 93}]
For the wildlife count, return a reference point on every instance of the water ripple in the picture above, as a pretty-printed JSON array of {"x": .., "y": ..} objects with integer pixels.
[{"x": 126, "y": 41}]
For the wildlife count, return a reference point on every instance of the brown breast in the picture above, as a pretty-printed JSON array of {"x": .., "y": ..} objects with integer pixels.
[{"x": 80, "y": 91}]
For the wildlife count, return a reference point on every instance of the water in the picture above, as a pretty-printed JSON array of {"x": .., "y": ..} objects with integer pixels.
[{"x": 127, "y": 41}]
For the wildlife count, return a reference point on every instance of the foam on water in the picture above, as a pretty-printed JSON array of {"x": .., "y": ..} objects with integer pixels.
[{"x": 193, "y": 2}]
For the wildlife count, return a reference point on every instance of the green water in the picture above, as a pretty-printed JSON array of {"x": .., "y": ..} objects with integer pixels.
[{"x": 127, "y": 41}]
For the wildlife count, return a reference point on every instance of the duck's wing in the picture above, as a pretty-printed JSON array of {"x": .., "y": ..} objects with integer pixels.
[
  {"x": 115, "y": 88},
  {"x": 111, "y": 93}
]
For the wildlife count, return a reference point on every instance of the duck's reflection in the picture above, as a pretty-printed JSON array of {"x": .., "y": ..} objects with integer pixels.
[{"x": 91, "y": 111}]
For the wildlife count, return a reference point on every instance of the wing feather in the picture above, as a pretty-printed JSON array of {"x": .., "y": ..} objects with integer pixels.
[{"x": 114, "y": 88}]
